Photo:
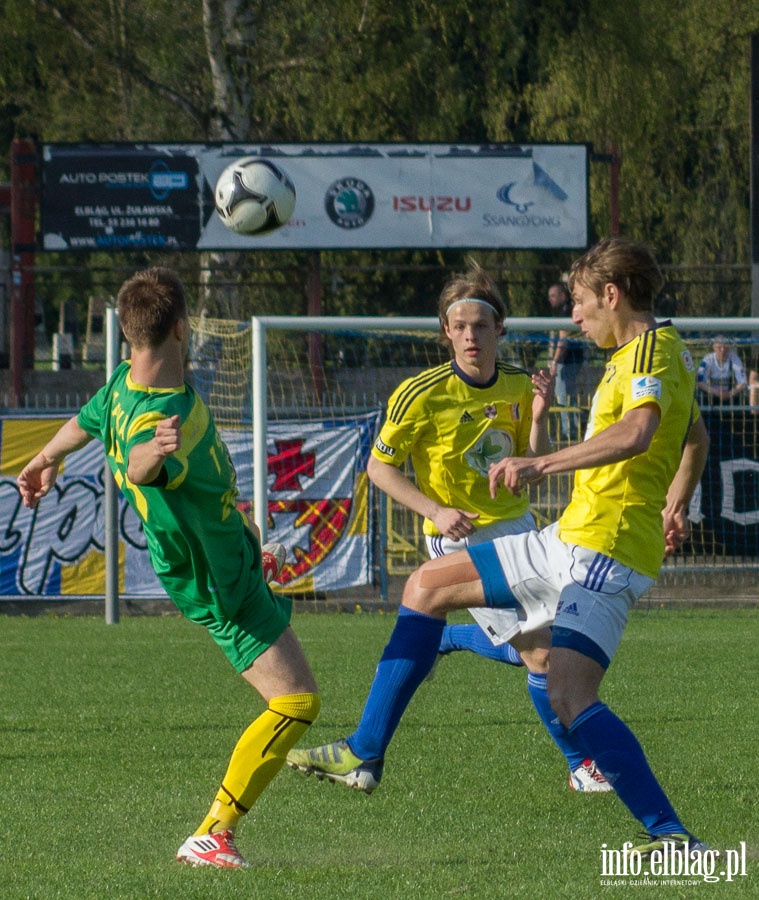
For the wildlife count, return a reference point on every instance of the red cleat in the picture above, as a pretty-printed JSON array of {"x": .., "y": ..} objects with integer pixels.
[{"x": 217, "y": 849}]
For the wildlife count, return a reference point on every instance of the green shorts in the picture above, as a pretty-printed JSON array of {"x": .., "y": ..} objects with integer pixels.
[
  {"x": 259, "y": 622},
  {"x": 244, "y": 618}
]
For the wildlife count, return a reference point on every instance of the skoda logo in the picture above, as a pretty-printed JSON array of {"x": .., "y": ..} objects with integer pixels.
[{"x": 349, "y": 202}]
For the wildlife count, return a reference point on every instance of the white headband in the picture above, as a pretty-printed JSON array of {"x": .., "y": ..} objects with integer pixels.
[{"x": 473, "y": 300}]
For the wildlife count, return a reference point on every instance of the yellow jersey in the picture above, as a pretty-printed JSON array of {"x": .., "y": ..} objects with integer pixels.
[
  {"x": 453, "y": 429},
  {"x": 616, "y": 509}
]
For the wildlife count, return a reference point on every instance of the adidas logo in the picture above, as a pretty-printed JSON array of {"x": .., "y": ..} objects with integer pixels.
[
  {"x": 465, "y": 418},
  {"x": 570, "y": 610},
  {"x": 206, "y": 844}
]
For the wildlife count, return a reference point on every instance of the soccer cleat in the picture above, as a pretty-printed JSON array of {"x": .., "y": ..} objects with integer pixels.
[
  {"x": 587, "y": 778},
  {"x": 272, "y": 559},
  {"x": 337, "y": 764},
  {"x": 676, "y": 842},
  {"x": 217, "y": 849}
]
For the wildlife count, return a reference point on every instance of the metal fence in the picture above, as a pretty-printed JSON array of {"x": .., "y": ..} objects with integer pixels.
[{"x": 353, "y": 365}]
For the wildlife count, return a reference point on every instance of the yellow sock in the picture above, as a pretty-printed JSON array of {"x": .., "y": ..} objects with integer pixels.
[{"x": 258, "y": 756}]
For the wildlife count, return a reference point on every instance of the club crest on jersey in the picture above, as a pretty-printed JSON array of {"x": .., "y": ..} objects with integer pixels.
[
  {"x": 492, "y": 446},
  {"x": 491, "y": 411},
  {"x": 646, "y": 386},
  {"x": 687, "y": 360}
]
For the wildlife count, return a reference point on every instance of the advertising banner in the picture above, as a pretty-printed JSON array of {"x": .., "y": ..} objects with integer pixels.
[
  {"x": 318, "y": 508},
  {"x": 725, "y": 511},
  {"x": 372, "y": 196}
]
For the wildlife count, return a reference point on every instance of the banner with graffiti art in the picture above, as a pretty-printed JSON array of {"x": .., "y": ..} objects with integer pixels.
[{"x": 318, "y": 508}]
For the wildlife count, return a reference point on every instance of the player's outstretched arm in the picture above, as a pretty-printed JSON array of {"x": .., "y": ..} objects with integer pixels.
[
  {"x": 39, "y": 474},
  {"x": 687, "y": 477},
  {"x": 146, "y": 460},
  {"x": 631, "y": 435}
]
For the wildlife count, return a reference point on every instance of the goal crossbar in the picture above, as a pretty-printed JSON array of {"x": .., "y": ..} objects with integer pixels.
[{"x": 330, "y": 324}]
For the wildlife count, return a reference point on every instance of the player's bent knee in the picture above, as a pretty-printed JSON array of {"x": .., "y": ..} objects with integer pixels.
[
  {"x": 431, "y": 602},
  {"x": 534, "y": 648},
  {"x": 536, "y": 659},
  {"x": 443, "y": 584},
  {"x": 415, "y": 595}
]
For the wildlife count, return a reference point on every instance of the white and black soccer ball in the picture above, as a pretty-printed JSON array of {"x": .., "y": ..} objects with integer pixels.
[{"x": 254, "y": 196}]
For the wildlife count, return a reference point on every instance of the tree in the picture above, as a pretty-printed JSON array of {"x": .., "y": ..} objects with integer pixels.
[{"x": 668, "y": 83}]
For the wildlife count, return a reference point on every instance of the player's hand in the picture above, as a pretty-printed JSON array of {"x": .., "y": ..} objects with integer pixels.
[
  {"x": 543, "y": 389},
  {"x": 168, "y": 436},
  {"x": 676, "y": 530},
  {"x": 514, "y": 473},
  {"x": 36, "y": 480},
  {"x": 454, "y": 524}
]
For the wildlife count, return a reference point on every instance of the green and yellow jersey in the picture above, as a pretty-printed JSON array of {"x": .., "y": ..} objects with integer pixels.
[
  {"x": 616, "y": 509},
  {"x": 453, "y": 430},
  {"x": 199, "y": 546}
]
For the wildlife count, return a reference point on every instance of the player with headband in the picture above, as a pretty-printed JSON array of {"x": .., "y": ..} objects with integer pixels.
[{"x": 453, "y": 422}]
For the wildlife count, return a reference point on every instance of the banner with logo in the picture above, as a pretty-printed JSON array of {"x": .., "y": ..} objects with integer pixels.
[
  {"x": 318, "y": 508},
  {"x": 376, "y": 196}
]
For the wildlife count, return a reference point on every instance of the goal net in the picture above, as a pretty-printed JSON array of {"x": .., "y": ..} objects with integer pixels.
[{"x": 299, "y": 402}]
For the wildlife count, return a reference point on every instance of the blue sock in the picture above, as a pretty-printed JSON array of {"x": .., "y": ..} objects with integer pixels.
[
  {"x": 472, "y": 637},
  {"x": 620, "y": 758},
  {"x": 405, "y": 663},
  {"x": 538, "y": 690}
]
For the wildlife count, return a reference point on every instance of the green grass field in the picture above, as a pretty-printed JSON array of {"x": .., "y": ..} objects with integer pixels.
[{"x": 114, "y": 738}]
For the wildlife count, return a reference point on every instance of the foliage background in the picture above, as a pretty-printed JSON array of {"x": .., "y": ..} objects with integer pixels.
[{"x": 667, "y": 84}]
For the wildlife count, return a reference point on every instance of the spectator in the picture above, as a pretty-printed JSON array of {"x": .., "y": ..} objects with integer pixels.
[
  {"x": 753, "y": 381},
  {"x": 721, "y": 376},
  {"x": 567, "y": 356}
]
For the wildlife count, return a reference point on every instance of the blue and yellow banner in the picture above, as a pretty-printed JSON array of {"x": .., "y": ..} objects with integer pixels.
[{"x": 318, "y": 508}]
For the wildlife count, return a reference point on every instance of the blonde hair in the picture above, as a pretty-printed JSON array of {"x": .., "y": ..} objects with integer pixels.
[
  {"x": 474, "y": 284},
  {"x": 628, "y": 264}
]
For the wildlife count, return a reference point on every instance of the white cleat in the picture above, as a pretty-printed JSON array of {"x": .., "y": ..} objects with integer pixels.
[{"x": 587, "y": 778}]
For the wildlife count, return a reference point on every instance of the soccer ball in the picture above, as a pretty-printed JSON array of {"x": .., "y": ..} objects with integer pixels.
[
  {"x": 273, "y": 557},
  {"x": 253, "y": 196}
]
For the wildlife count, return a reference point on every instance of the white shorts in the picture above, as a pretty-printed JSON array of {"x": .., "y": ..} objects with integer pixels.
[
  {"x": 494, "y": 622},
  {"x": 542, "y": 581}
]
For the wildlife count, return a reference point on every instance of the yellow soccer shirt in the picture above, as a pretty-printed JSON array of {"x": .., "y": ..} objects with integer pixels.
[
  {"x": 616, "y": 509},
  {"x": 453, "y": 429}
]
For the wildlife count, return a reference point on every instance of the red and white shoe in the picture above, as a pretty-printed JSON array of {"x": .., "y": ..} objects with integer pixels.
[
  {"x": 587, "y": 778},
  {"x": 272, "y": 559},
  {"x": 217, "y": 849}
]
